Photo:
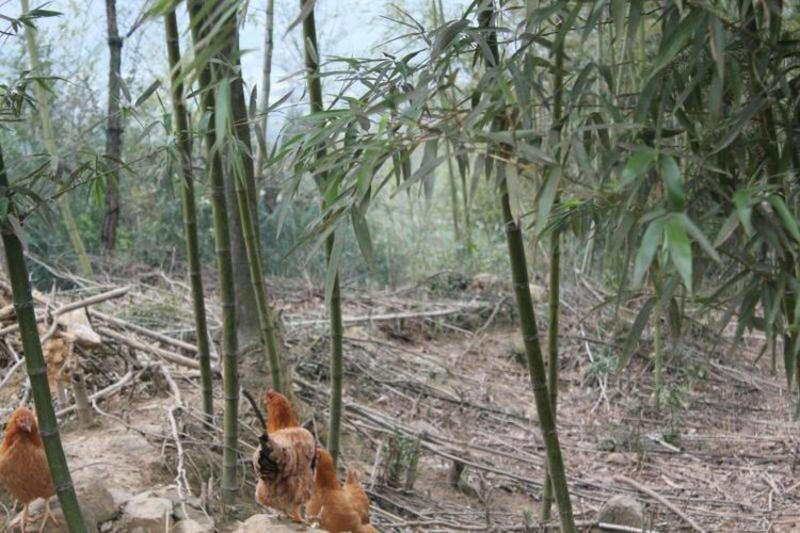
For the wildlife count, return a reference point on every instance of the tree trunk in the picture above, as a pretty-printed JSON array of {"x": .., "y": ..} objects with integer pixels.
[
  {"x": 335, "y": 301},
  {"x": 35, "y": 365},
  {"x": 50, "y": 143},
  {"x": 527, "y": 317},
  {"x": 247, "y": 204},
  {"x": 230, "y": 487},
  {"x": 108, "y": 235},
  {"x": 184, "y": 144}
]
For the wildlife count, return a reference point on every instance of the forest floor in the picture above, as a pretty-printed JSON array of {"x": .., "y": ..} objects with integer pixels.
[{"x": 439, "y": 414}]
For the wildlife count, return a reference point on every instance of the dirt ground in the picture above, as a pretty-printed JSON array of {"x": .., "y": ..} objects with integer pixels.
[{"x": 425, "y": 391}]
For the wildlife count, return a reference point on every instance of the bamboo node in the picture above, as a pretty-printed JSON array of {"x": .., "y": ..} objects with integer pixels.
[
  {"x": 65, "y": 485},
  {"x": 48, "y": 433},
  {"x": 24, "y": 305}
]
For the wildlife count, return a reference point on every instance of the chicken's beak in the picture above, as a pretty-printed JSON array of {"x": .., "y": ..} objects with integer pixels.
[{"x": 26, "y": 425}]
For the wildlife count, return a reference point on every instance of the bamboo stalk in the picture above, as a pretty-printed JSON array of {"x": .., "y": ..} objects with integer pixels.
[
  {"x": 198, "y": 13},
  {"x": 108, "y": 230},
  {"x": 527, "y": 317},
  {"x": 184, "y": 144},
  {"x": 36, "y": 367},
  {"x": 554, "y": 295},
  {"x": 239, "y": 131},
  {"x": 335, "y": 303},
  {"x": 50, "y": 143},
  {"x": 266, "y": 77}
]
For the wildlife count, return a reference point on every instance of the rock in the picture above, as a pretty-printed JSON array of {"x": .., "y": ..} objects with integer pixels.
[
  {"x": 97, "y": 506},
  {"x": 193, "y": 526},
  {"x": 260, "y": 523},
  {"x": 146, "y": 514},
  {"x": 618, "y": 459},
  {"x": 622, "y": 510}
]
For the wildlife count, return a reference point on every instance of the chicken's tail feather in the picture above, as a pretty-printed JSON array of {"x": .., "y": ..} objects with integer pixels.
[
  {"x": 352, "y": 477},
  {"x": 266, "y": 464},
  {"x": 254, "y": 404}
]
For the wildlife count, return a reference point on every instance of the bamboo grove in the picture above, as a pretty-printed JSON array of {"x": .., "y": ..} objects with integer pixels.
[{"x": 659, "y": 140}]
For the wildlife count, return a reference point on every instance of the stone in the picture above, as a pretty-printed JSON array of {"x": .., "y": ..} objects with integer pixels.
[
  {"x": 194, "y": 526},
  {"x": 97, "y": 507},
  {"x": 618, "y": 459},
  {"x": 622, "y": 510},
  {"x": 261, "y": 522},
  {"x": 146, "y": 514}
]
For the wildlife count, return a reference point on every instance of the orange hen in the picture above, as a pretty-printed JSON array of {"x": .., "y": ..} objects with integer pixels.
[
  {"x": 285, "y": 459},
  {"x": 23, "y": 464},
  {"x": 339, "y": 509},
  {"x": 358, "y": 497}
]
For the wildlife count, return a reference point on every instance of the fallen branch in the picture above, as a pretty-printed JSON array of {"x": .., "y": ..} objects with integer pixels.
[
  {"x": 10, "y": 373},
  {"x": 392, "y": 316},
  {"x": 181, "y": 479},
  {"x": 158, "y": 352},
  {"x": 166, "y": 339},
  {"x": 108, "y": 391},
  {"x": 92, "y": 300},
  {"x": 653, "y": 494}
]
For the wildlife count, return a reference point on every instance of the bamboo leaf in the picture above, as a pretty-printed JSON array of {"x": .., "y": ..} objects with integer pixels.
[
  {"x": 741, "y": 120},
  {"x": 680, "y": 249},
  {"x": 634, "y": 18},
  {"x": 147, "y": 93},
  {"x": 637, "y": 165},
  {"x": 673, "y": 182},
  {"x": 546, "y": 199},
  {"x": 699, "y": 237},
  {"x": 789, "y": 222},
  {"x": 647, "y": 250},
  {"x": 618, "y": 13},
  {"x": 305, "y": 11},
  {"x": 744, "y": 211},
  {"x": 446, "y": 34},
  {"x": 361, "y": 230},
  {"x": 635, "y": 333},
  {"x": 426, "y": 171},
  {"x": 675, "y": 41}
]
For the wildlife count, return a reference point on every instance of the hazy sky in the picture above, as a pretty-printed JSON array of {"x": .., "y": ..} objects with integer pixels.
[{"x": 77, "y": 40}]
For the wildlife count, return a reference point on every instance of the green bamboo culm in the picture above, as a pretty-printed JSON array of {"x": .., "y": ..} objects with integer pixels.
[
  {"x": 50, "y": 143},
  {"x": 527, "y": 315},
  {"x": 183, "y": 141},
  {"x": 237, "y": 136},
  {"x": 198, "y": 10},
  {"x": 554, "y": 295},
  {"x": 35, "y": 365},
  {"x": 335, "y": 301}
]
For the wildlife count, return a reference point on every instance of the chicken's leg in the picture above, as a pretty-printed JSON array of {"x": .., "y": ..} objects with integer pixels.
[
  {"x": 48, "y": 515},
  {"x": 22, "y": 521},
  {"x": 296, "y": 516}
]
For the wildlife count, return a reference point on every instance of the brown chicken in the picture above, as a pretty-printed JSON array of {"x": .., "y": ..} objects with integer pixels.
[
  {"x": 23, "y": 464},
  {"x": 338, "y": 508},
  {"x": 285, "y": 460},
  {"x": 358, "y": 497}
]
